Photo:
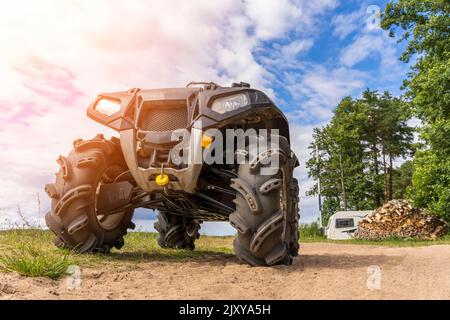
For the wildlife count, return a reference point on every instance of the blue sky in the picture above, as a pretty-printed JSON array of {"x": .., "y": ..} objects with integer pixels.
[
  {"x": 339, "y": 56},
  {"x": 57, "y": 55}
]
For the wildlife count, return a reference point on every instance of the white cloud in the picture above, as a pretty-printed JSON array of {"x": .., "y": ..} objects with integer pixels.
[
  {"x": 360, "y": 49},
  {"x": 301, "y": 137},
  {"x": 366, "y": 43},
  {"x": 345, "y": 24},
  {"x": 319, "y": 90},
  {"x": 312, "y": 9},
  {"x": 292, "y": 49},
  {"x": 374, "y": 44},
  {"x": 286, "y": 58},
  {"x": 272, "y": 18}
]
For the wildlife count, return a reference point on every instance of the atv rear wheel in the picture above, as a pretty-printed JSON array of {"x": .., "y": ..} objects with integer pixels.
[
  {"x": 78, "y": 195},
  {"x": 176, "y": 231},
  {"x": 266, "y": 215}
]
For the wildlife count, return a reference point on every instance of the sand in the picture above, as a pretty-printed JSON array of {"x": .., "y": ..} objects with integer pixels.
[{"x": 322, "y": 271}]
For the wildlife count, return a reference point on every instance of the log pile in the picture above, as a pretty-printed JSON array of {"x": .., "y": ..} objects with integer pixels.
[{"x": 397, "y": 218}]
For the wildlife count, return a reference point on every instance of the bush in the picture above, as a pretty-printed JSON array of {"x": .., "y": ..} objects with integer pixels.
[
  {"x": 310, "y": 231},
  {"x": 431, "y": 180}
]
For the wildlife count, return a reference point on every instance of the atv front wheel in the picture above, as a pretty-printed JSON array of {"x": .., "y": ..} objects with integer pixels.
[
  {"x": 176, "y": 231},
  {"x": 82, "y": 213},
  {"x": 266, "y": 215}
]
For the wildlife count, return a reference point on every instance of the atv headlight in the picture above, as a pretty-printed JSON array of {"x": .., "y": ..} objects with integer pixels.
[
  {"x": 229, "y": 103},
  {"x": 108, "y": 107}
]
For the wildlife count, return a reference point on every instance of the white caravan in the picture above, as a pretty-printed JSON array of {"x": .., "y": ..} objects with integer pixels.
[{"x": 343, "y": 224}]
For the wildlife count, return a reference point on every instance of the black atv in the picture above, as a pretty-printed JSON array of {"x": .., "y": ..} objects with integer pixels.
[{"x": 155, "y": 165}]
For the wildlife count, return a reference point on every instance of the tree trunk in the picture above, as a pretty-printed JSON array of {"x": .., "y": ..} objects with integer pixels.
[
  {"x": 386, "y": 196},
  {"x": 391, "y": 178},
  {"x": 377, "y": 172},
  {"x": 344, "y": 199}
]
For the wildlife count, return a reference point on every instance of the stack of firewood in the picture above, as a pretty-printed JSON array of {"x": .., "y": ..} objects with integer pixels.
[{"x": 397, "y": 218}]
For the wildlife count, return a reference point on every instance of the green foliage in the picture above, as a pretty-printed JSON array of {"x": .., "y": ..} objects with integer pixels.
[
  {"x": 431, "y": 183},
  {"x": 425, "y": 25},
  {"x": 355, "y": 152},
  {"x": 27, "y": 259},
  {"x": 329, "y": 207},
  {"x": 403, "y": 179},
  {"x": 310, "y": 231}
]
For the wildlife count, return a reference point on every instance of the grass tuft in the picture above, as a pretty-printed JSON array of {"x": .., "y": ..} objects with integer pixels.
[{"x": 30, "y": 260}]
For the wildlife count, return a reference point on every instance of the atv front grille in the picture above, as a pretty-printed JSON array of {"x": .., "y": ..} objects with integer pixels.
[{"x": 163, "y": 119}]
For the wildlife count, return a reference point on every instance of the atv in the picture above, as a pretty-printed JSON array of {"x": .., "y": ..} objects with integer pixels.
[{"x": 158, "y": 164}]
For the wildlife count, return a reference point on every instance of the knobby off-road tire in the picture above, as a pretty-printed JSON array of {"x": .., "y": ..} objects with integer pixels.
[
  {"x": 266, "y": 215},
  {"x": 73, "y": 216},
  {"x": 176, "y": 231}
]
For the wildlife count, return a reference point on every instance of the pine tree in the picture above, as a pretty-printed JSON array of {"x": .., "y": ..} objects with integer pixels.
[{"x": 362, "y": 134}]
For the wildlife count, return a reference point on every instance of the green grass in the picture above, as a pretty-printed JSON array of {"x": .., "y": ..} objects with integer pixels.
[
  {"x": 390, "y": 242},
  {"x": 32, "y": 253},
  {"x": 311, "y": 233},
  {"x": 30, "y": 260}
]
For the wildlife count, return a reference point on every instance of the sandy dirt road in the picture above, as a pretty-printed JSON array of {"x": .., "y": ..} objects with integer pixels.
[{"x": 322, "y": 271}]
